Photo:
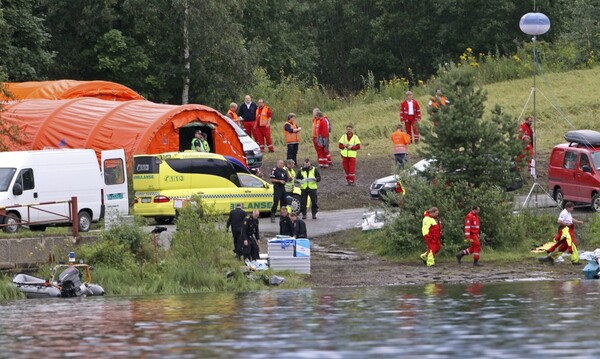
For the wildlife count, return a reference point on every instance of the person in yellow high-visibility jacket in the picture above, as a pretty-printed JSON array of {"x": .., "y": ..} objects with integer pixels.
[
  {"x": 432, "y": 232},
  {"x": 349, "y": 144}
]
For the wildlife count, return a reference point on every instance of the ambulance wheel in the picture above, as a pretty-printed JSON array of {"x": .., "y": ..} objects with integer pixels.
[
  {"x": 295, "y": 202},
  {"x": 13, "y": 220},
  {"x": 85, "y": 221},
  {"x": 596, "y": 203},
  {"x": 559, "y": 197},
  {"x": 163, "y": 220}
]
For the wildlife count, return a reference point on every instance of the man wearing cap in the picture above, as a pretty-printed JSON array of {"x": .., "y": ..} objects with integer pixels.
[
  {"x": 236, "y": 222},
  {"x": 410, "y": 114}
]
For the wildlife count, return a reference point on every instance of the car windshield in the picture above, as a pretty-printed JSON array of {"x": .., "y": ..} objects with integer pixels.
[
  {"x": 596, "y": 160},
  {"x": 238, "y": 129},
  {"x": 6, "y": 176}
]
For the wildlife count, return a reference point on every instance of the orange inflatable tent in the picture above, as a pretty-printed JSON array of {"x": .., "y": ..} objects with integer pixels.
[
  {"x": 139, "y": 127},
  {"x": 66, "y": 89}
]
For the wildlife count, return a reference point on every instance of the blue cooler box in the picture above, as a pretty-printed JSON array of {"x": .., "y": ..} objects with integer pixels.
[
  {"x": 590, "y": 271},
  {"x": 302, "y": 247}
]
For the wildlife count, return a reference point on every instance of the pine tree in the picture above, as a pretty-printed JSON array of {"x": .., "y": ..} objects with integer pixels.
[{"x": 466, "y": 145}]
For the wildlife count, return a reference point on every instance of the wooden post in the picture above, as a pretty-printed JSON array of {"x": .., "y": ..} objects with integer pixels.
[{"x": 75, "y": 216}]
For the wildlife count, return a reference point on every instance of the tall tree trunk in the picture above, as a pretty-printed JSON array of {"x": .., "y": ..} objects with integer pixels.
[{"x": 185, "y": 93}]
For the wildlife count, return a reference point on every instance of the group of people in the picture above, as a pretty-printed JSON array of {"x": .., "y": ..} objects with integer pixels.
[
  {"x": 432, "y": 233},
  {"x": 564, "y": 241}
]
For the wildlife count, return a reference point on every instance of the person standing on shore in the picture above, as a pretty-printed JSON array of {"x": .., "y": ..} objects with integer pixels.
[
  {"x": 432, "y": 232},
  {"x": 291, "y": 131},
  {"x": 435, "y": 103},
  {"x": 349, "y": 144},
  {"x": 236, "y": 222},
  {"x": 401, "y": 140},
  {"x": 472, "y": 225},
  {"x": 410, "y": 114},
  {"x": 250, "y": 237},
  {"x": 247, "y": 113}
]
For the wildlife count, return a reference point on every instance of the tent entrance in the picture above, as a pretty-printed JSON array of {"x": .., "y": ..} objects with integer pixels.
[{"x": 186, "y": 135}]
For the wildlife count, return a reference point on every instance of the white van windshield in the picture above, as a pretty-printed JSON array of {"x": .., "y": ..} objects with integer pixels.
[{"x": 6, "y": 176}]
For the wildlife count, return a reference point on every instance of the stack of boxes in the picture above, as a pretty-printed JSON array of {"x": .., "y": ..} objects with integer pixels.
[{"x": 288, "y": 253}]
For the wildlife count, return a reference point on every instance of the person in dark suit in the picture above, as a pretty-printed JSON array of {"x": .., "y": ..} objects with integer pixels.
[
  {"x": 299, "y": 226},
  {"x": 236, "y": 222},
  {"x": 247, "y": 113}
]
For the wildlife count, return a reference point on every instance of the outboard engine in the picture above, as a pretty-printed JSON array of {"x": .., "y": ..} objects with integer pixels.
[{"x": 70, "y": 281}]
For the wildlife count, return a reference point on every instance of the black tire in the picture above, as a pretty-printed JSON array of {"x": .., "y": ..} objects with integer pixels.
[
  {"x": 37, "y": 227},
  {"x": 85, "y": 221},
  {"x": 295, "y": 202},
  {"x": 163, "y": 220},
  {"x": 559, "y": 197},
  {"x": 595, "y": 203},
  {"x": 14, "y": 223}
]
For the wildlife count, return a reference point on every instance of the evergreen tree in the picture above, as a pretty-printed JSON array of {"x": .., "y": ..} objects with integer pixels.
[{"x": 467, "y": 146}]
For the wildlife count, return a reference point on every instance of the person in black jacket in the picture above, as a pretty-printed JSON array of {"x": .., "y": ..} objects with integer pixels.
[
  {"x": 250, "y": 237},
  {"x": 247, "y": 113},
  {"x": 299, "y": 226},
  {"x": 286, "y": 228},
  {"x": 236, "y": 222}
]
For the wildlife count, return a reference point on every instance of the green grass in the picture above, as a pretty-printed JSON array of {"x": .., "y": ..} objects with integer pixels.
[{"x": 573, "y": 92}]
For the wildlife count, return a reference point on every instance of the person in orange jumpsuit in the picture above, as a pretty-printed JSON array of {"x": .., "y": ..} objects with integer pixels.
[
  {"x": 472, "y": 225},
  {"x": 410, "y": 114},
  {"x": 262, "y": 126},
  {"x": 432, "y": 232}
]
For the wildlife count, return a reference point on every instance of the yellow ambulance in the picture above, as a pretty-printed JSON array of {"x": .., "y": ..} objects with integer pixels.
[{"x": 162, "y": 181}]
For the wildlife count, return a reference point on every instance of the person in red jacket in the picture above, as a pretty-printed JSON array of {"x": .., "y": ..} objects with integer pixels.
[
  {"x": 320, "y": 137},
  {"x": 432, "y": 232},
  {"x": 262, "y": 126},
  {"x": 526, "y": 136},
  {"x": 410, "y": 114},
  {"x": 472, "y": 225}
]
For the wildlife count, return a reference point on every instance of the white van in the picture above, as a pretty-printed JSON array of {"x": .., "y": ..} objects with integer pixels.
[
  {"x": 252, "y": 150},
  {"x": 36, "y": 185}
]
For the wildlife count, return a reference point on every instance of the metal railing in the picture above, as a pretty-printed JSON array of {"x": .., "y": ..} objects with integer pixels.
[{"x": 72, "y": 217}]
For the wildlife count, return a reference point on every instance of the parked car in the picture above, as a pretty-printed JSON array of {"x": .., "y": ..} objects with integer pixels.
[
  {"x": 574, "y": 169},
  {"x": 380, "y": 187}
]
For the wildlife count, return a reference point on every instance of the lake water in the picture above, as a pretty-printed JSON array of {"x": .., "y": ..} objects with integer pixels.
[{"x": 502, "y": 320}]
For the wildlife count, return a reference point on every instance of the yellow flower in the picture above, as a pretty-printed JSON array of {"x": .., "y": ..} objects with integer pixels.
[
  {"x": 516, "y": 58},
  {"x": 420, "y": 82}
]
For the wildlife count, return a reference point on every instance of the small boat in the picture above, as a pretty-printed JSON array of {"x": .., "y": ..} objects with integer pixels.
[{"x": 69, "y": 283}]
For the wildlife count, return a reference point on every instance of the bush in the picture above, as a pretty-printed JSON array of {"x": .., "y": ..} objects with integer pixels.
[{"x": 131, "y": 236}]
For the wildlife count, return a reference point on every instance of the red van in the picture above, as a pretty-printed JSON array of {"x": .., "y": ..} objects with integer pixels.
[{"x": 574, "y": 170}]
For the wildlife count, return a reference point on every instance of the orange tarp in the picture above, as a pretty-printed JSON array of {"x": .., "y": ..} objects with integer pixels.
[
  {"x": 139, "y": 127},
  {"x": 67, "y": 89}
]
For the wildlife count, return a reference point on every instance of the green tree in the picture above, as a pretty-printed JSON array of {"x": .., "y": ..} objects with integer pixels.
[
  {"x": 468, "y": 146},
  {"x": 582, "y": 30},
  {"x": 23, "y": 41}
]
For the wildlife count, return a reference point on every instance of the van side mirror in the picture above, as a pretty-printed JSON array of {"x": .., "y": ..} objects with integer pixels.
[
  {"x": 17, "y": 189},
  {"x": 586, "y": 168}
]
